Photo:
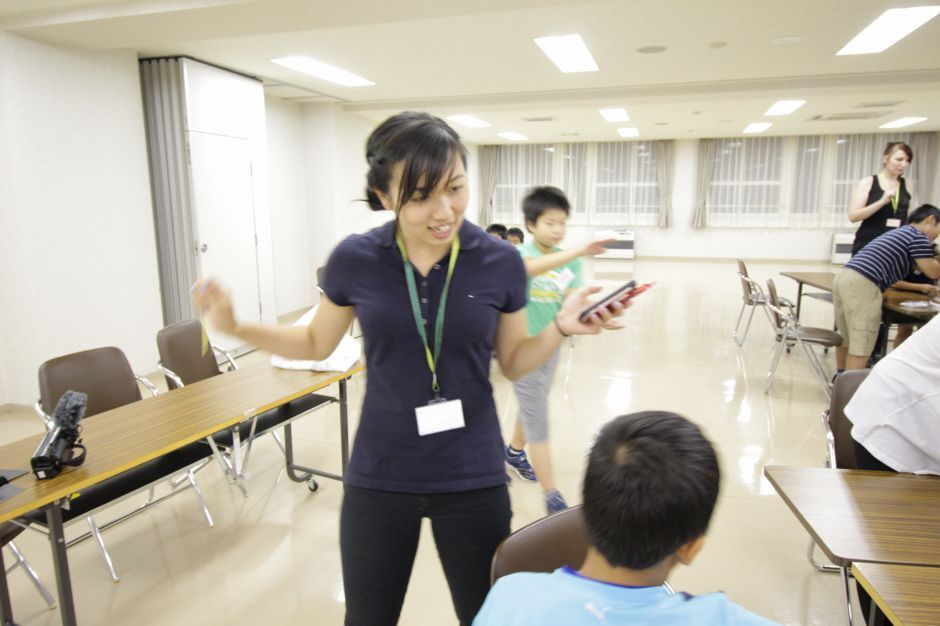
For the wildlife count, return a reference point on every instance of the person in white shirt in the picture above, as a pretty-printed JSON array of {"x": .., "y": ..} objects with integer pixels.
[{"x": 896, "y": 411}]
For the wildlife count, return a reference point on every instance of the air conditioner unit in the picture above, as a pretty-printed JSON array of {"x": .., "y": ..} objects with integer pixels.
[
  {"x": 842, "y": 248},
  {"x": 621, "y": 247}
]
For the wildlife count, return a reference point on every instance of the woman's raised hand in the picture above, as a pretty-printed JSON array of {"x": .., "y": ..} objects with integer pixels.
[{"x": 214, "y": 302}]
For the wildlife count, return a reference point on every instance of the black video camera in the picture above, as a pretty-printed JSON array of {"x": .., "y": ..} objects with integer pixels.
[{"x": 57, "y": 448}]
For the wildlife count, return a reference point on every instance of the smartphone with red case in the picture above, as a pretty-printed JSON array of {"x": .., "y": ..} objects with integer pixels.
[{"x": 621, "y": 295}]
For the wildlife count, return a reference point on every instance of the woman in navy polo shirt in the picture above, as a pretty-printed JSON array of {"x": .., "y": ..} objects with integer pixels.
[{"x": 432, "y": 294}]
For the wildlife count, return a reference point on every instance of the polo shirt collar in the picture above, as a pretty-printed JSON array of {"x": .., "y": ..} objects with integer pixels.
[{"x": 470, "y": 235}]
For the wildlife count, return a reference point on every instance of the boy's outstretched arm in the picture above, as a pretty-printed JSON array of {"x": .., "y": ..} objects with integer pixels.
[{"x": 546, "y": 262}]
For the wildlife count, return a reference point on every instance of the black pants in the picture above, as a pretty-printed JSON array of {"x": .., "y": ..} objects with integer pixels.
[
  {"x": 865, "y": 460},
  {"x": 379, "y": 537}
]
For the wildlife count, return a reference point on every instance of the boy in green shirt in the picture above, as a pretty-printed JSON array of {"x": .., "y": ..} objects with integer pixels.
[{"x": 553, "y": 273}]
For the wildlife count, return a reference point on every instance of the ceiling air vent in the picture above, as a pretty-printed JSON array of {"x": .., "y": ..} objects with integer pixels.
[
  {"x": 544, "y": 118},
  {"x": 846, "y": 117},
  {"x": 878, "y": 105}
]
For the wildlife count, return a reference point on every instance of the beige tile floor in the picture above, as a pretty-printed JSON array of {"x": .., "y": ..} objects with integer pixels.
[{"x": 272, "y": 558}]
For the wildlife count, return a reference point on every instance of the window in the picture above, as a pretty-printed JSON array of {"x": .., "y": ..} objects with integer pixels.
[
  {"x": 609, "y": 184},
  {"x": 803, "y": 182}
]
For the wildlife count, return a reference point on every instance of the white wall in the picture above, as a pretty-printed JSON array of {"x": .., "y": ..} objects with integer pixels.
[
  {"x": 78, "y": 254},
  {"x": 295, "y": 283}
]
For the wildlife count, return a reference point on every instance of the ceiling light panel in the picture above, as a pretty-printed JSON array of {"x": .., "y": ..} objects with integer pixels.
[
  {"x": 756, "y": 127},
  {"x": 890, "y": 27},
  {"x": 469, "y": 121},
  {"x": 628, "y": 132},
  {"x": 513, "y": 136},
  {"x": 321, "y": 70},
  {"x": 904, "y": 121},
  {"x": 615, "y": 115},
  {"x": 569, "y": 53},
  {"x": 784, "y": 107}
]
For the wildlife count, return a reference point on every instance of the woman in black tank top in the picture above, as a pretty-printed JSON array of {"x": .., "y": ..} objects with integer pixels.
[{"x": 880, "y": 202}]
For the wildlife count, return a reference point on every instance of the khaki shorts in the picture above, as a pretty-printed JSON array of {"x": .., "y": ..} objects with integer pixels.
[{"x": 857, "y": 303}]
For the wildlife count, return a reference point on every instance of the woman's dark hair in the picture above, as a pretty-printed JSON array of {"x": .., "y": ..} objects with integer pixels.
[
  {"x": 650, "y": 488},
  {"x": 898, "y": 145},
  {"x": 426, "y": 146}
]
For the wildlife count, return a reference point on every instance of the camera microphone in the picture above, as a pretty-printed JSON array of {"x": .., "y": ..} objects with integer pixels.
[{"x": 57, "y": 448}]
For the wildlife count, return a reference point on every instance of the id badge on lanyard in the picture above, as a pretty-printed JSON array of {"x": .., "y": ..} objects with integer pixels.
[{"x": 440, "y": 414}]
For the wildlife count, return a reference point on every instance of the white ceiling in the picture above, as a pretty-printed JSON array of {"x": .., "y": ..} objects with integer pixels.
[{"x": 478, "y": 57}]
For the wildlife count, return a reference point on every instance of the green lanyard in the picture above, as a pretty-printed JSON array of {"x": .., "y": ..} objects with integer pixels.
[
  {"x": 433, "y": 359},
  {"x": 895, "y": 199}
]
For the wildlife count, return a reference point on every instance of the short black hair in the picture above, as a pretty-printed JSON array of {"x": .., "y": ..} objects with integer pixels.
[
  {"x": 540, "y": 199},
  {"x": 923, "y": 212},
  {"x": 517, "y": 232},
  {"x": 496, "y": 229},
  {"x": 425, "y": 146},
  {"x": 650, "y": 488}
]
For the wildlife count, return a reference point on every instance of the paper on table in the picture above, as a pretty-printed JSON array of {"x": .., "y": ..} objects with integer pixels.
[
  {"x": 345, "y": 356},
  {"x": 915, "y": 304}
]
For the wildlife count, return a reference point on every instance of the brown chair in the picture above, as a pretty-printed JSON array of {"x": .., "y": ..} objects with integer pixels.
[
  {"x": 182, "y": 363},
  {"x": 752, "y": 297},
  {"x": 105, "y": 375},
  {"x": 182, "y": 360},
  {"x": 840, "y": 452},
  {"x": 791, "y": 332},
  {"x": 543, "y": 546}
]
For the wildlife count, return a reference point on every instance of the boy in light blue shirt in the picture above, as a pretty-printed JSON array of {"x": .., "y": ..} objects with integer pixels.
[{"x": 649, "y": 493}]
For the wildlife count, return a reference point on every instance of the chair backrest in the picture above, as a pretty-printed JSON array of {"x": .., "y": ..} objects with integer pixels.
[
  {"x": 840, "y": 426},
  {"x": 102, "y": 373},
  {"x": 774, "y": 307},
  {"x": 543, "y": 546},
  {"x": 180, "y": 347},
  {"x": 747, "y": 290}
]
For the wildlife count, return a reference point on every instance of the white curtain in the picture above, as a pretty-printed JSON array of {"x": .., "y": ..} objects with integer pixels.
[
  {"x": 489, "y": 161},
  {"x": 707, "y": 159},
  {"x": 662, "y": 157},
  {"x": 801, "y": 182},
  {"x": 519, "y": 168},
  {"x": 609, "y": 184}
]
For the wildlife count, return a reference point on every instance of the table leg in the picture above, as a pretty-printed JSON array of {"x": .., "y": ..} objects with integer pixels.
[
  {"x": 60, "y": 561},
  {"x": 344, "y": 422},
  {"x": 5, "y": 604},
  {"x": 846, "y": 587},
  {"x": 799, "y": 297}
]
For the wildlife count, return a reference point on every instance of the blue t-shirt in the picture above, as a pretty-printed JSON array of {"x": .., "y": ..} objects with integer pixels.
[
  {"x": 891, "y": 257},
  {"x": 366, "y": 272},
  {"x": 565, "y": 597}
]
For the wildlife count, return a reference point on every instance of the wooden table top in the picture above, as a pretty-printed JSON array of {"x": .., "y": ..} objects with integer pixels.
[
  {"x": 127, "y": 436},
  {"x": 861, "y": 516},
  {"x": 892, "y": 299},
  {"x": 820, "y": 280},
  {"x": 909, "y": 596}
]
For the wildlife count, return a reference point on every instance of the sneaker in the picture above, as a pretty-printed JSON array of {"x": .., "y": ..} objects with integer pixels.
[
  {"x": 520, "y": 463},
  {"x": 554, "y": 502}
]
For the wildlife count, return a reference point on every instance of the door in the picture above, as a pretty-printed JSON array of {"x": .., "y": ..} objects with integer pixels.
[{"x": 223, "y": 209}]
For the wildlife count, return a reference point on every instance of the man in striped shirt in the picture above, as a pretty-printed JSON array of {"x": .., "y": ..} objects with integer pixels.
[{"x": 857, "y": 288}]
